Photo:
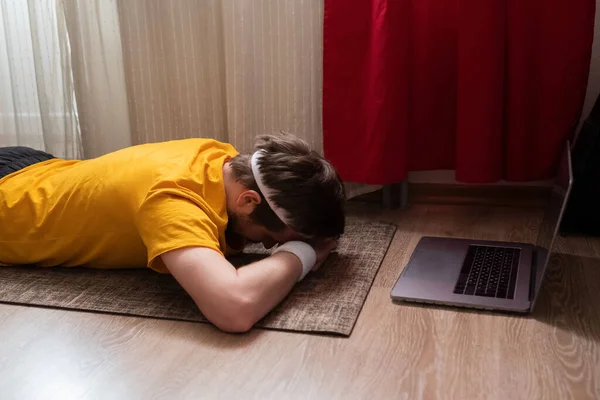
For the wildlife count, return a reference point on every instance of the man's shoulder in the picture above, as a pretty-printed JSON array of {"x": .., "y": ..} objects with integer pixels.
[
  {"x": 190, "y": 144},
  {"x": 201, "y": 142}
]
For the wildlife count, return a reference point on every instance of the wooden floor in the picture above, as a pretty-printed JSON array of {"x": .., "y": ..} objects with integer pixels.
[{"x": 395, "y": 352}]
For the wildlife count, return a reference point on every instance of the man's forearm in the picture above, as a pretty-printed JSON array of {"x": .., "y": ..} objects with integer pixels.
[
  {"x": 268, "y": 281},
  {"x": 234, "y": 300}
]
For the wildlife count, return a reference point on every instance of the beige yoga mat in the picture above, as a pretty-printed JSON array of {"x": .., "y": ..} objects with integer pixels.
[{"x": 326, "y": 301}]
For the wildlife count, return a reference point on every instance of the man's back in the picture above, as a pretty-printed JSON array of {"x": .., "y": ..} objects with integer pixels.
[{"x": 99, "y": 212}]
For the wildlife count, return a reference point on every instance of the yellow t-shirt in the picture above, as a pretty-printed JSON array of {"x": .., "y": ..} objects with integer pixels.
[{"x": 121, "y": 210}]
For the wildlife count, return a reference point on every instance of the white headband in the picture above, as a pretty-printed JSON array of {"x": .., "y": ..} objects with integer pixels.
[{"x": 283, "y": 215}]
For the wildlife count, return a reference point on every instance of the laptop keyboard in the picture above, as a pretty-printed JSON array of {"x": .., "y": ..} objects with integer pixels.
[{"x": 489, "y": 271}]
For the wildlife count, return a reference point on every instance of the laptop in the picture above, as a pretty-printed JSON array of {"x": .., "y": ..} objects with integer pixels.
[{"x": 489, "y": 275}]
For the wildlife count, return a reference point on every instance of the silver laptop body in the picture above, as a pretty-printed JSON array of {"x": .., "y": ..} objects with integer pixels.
[{"x": 486, "y": 274}]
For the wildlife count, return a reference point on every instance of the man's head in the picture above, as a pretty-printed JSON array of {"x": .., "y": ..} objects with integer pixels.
[{"x": 290, "y": 193}]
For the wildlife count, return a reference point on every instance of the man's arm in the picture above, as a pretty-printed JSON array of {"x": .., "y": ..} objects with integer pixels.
[{"x": 233, "y": 300}]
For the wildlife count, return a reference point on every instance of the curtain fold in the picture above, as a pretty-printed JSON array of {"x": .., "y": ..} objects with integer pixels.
[
  {"x": 99, "y": 75},
  {"x": 174, "y": 69},
  {"x": 37, "y": 103},
  {"x": 228, "y": 69},
  {"x": 492, "y": 89},
  {"x": 365, "y": 101}
]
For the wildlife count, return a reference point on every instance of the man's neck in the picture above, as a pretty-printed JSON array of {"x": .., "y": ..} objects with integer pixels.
[
  {"x": 232, "y": 191},
  {"x": 232, "y": 187}
]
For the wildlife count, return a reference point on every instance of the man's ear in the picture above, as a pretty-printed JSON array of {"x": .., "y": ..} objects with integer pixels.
[{"x": 247, "y": 202}]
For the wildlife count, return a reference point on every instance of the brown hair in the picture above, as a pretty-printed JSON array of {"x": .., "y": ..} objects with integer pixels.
[{"x": 303, "y": 182}]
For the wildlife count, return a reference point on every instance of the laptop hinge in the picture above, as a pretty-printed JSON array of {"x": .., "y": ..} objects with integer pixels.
[{"x": 534, "y": 267}]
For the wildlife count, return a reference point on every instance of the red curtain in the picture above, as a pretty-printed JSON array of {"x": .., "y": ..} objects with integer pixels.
[{"x": 490, "y": 88}]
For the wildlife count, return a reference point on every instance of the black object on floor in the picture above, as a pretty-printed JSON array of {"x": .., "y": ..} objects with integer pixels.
[{"x": 582, "y": 216}]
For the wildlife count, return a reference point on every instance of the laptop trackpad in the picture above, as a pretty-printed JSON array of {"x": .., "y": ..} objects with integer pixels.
[{"x": 435, "y": 265}]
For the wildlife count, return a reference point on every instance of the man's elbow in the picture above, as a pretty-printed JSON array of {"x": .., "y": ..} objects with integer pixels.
[
  {"x": 237, "y": 326},
  {"x": 238, "y": 316}
]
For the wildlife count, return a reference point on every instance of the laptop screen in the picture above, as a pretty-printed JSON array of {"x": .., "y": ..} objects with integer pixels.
[{"x": 553, "y": 215}]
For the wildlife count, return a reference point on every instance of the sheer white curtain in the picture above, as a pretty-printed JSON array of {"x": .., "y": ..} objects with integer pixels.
[
  {"x": 149, "y": 70},
  {"x": 37, "y": 102},
  {"x": 228, "y": 69},
  {"x": 99, "y": 75}
]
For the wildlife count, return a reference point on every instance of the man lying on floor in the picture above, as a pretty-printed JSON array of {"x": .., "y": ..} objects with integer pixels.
[{"x": 179, "y": 207}]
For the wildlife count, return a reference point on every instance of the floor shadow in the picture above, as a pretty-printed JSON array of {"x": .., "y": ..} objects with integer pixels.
[
  {"x": 212, "y": 336},
  {"x": 204, "y": 334},
  {"x": 570, "y": 296},
  {"x": 462, "y": 310}
]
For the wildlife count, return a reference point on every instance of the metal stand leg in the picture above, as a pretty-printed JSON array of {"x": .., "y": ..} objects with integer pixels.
[
  {"x": 404, "y": 194},
  {"x": 395, "y": 195}
]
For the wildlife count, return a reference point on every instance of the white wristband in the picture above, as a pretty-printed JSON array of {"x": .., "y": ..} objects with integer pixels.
[{"x": 302, "y": 250}]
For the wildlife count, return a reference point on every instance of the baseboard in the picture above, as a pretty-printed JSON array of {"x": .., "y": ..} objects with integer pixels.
[
  {"x": 501, "y": 195},
  {"x": 449, "y": 177},
  {"x": 491, "y": 195}
]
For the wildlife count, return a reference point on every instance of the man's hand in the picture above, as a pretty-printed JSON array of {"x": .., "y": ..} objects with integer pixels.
[{"x": 323, "y": 250}]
